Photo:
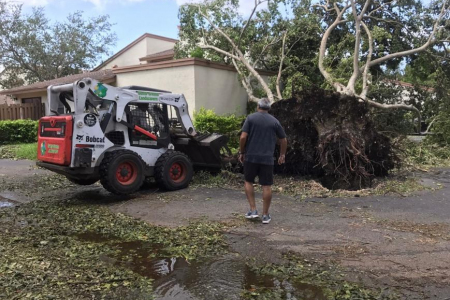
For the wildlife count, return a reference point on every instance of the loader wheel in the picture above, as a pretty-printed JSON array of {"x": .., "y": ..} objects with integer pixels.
[
  {"x": 82, "y": 181},
  {"x": 173, "y": 171},
  {"x": 122, "y": 172}
]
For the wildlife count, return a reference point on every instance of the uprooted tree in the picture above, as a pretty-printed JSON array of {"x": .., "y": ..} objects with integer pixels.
[
  {"x": 330, "y": 134},
  {"x": 349, "y": 148}
]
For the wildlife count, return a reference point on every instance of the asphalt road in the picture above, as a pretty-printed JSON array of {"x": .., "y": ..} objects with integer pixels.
[{"x": 393, "y": 242}]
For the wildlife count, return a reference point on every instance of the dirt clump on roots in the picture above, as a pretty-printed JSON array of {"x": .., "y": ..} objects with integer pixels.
[{"x": 332, "y": 136}]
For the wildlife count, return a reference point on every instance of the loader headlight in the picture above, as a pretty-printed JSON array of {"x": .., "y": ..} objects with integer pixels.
[{"x": 80, "y": 124}]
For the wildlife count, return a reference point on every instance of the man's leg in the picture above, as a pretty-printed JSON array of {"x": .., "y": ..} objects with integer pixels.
[
  {"x": 267, "y": 198},
  {"x": 266, "y": 181},
  {"x": 250, "y": 192},
  {"x": 250, "y": 171}
]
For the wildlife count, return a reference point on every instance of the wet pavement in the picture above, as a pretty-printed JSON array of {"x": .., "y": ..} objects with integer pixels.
[
  {"x": 390, "y": 242},
  {"x": 226, "y": 277}
]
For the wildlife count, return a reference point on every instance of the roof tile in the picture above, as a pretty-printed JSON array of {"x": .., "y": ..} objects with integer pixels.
[
  {"x": 101, "y": 75},
  {"x": 157, "y": 55}
]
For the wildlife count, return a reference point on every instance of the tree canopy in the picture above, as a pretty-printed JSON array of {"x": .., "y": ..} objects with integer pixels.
[
  {"x": 215, "y": 30},
  {"x": 354, "y": 43},
  {"x": 34, "y": 49}
]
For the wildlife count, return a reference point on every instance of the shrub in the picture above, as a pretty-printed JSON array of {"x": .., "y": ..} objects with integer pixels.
[
  {"x": 394, "y": 122},
  {"x": 229, "y": 125},
  {"x": 18, "y": 131},
  {"x": 426, "y": 154}
]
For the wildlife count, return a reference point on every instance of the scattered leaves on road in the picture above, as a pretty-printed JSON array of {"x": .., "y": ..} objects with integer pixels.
[{"x": 43, "y": 257}]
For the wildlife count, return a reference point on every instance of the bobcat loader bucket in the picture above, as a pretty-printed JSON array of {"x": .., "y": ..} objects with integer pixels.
[{"x": 205, "y": 150}]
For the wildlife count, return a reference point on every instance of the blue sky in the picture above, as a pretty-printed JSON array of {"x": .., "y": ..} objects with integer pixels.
[{"x": 132, "y": 18}]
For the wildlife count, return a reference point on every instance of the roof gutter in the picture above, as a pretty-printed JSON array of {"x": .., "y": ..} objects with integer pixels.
[{"x": 183, "y": 62}]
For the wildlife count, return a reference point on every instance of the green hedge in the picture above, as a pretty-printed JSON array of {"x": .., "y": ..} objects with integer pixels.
[
  {"x": 18, "y": 131},
  {"x": 230, "y": 125}
]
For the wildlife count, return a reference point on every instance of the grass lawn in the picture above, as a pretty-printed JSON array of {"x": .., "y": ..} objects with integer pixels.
[{"x": 19, "y": 151}]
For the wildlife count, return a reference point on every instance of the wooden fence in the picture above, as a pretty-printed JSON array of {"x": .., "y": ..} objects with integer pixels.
[{"x": 33, "y": 111}]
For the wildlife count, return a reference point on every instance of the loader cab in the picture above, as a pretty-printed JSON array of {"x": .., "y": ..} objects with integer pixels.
[{"x": 152, "y": 117}]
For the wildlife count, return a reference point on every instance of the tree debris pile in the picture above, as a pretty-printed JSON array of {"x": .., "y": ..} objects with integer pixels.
[{"x": 331, "y": 136}]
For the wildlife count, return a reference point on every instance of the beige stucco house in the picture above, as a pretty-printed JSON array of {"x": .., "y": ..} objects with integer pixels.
[{"x": 149, "y": 61}]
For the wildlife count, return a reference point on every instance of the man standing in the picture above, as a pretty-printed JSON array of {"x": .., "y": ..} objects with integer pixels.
[{"x": 260, "y": 134}]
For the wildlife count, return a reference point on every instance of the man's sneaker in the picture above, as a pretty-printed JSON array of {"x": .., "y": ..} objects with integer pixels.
[
  {"x": 252, "y": 214},
  {"x": 266, "y": 219}
]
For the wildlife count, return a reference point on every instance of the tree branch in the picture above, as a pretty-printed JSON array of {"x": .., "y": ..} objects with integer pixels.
[
  {"x": 219, "y": 50},
  {"x": 358, "y": 20},
  {"x": 247, "y": 85},
  {"x": 281, "y": 66},
  {"x": 214, "y": 26},
  {"x": 324, "y": 6},
  {"x": 415, "y": 50},
  {"x": 366, "y": 73},
  {"x": 395, "y": 106},
  {"x": 380, "y": 7},
  {"x": 383, "y": 20},
  {"x": 293, "y": 44},
  {"x": 366, "y": 6},
  {"x": 323, "y": 45},
  {"x": 274, "y": 41},
  {"x": 355, "y": 74},
  {"x": 431, "y": 124},
  {"x": 257, "y": 3},
  {"x": 239, "y": 55},
  {"x": 283, "y": 56},
  {"x": 336, "y": 8}
]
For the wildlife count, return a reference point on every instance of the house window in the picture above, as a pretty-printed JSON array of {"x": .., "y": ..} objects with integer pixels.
[{"x": 35, "y": 100}]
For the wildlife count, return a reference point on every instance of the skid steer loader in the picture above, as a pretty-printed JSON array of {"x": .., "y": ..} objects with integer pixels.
[{"x": 121, "y": 136}]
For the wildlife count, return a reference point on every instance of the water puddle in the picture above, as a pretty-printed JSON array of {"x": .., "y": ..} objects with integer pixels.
[
  {"x": 7, "y": 202},
  {"x": 175, "y": 278}
]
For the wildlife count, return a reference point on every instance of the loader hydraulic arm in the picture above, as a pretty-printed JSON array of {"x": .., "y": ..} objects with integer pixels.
[
  {"x": 181, "y": 107},
  {"x": 87, "y": 88}
]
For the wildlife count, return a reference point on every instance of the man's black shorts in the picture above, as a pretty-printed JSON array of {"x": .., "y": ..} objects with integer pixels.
[{"x": 264, "y": 173}]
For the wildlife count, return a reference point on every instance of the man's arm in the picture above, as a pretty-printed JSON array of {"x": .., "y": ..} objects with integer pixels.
[
  {"x": 283, "y": 147},
  {"x": 242, "y": 142}
]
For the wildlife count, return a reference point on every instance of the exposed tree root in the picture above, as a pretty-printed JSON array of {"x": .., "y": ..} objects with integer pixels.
[{"x": 331, "y": 136}]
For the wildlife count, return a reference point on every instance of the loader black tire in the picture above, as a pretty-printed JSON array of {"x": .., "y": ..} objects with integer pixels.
[
  {"x": 122, "y": 172},
  {"x": 82, "y": 181},
  {"x": 173, "y": 171}
]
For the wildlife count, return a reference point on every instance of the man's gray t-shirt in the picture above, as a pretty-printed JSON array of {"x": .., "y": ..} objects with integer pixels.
[{"x": 263, "y": 132}]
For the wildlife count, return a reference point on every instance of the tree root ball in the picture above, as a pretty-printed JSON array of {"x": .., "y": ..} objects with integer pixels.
[{"x": 332, "y": 136}]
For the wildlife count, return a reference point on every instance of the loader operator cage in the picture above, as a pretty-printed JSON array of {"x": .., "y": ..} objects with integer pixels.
[{"x": 151, "y": 117}]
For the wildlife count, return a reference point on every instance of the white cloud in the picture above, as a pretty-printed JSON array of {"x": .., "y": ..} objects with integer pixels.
[
  {"x": 101, "y": 4},
  {"x": 30, "y": 2},
  {"x": 181, "y": 2},
  {"x": 245, "y": 6}
]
